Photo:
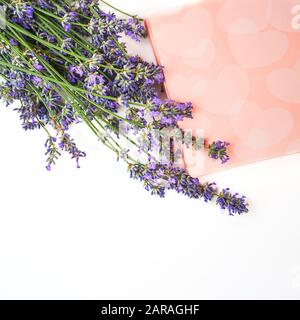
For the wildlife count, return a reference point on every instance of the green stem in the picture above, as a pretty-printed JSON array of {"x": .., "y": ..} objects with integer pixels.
[
  {"x": 121, "y": 11},
  {"x": 56, "y": 78},
  {"x": 52, "y": 32},
  {"x": 48, "y": 13},
  {"x": 45, "y": 43},
  {"x": 52, "y": 71},
  {"x": 57, "y": 29}
]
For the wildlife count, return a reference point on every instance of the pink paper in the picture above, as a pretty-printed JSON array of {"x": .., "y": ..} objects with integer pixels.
[{"x": 238, "y": 61}]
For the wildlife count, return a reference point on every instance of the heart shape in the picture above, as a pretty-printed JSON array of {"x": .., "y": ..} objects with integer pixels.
[
  {"x": 230, "y": 86},
  {"x": 201, "y": 56},
  {"x": 185, "y": 87},
  {"x": 186, "y": 36},
  {"x": 243, "y": 16},
  {"x": 270, "y": 46},
  {"x": 259, "y": 128},
  {"x": 284, "y": 84}
]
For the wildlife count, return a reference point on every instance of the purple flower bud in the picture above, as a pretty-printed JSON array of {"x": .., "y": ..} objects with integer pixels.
[
  {"x": 38, "y": 66},
  {"x": 232, "y": 202},
  {"x": 13, "y": 42},
  {"x": 218, "y": 150}
]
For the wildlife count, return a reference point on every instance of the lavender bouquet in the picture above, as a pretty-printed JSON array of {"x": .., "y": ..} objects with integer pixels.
[{"x": 66, "y": 62}]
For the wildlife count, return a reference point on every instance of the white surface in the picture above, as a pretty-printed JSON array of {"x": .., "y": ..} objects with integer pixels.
[{"x": 95, "y": 234}]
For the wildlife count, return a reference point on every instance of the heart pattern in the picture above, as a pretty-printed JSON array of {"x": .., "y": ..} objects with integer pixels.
[
  {"x": 198, "y": 20},
  {"x": 260, "y": 128},
  {"x": 230, "y": 86},
  {"x": 197, "y": 85},
  {"x": 243, "y": 16},
  {"x": 201, "y": 56},
  {"x": 272, "y": 47},
  {"x": 284, "y": 83},
  {"x": 238, "y": 61},
  {"x": 251, "y": 16}
]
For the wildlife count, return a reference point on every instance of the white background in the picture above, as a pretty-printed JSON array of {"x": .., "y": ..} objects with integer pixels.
[{"x": 95, "y": 234}]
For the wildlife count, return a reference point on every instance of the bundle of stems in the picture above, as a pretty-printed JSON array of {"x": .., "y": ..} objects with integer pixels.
[{"x": 67, "y": 62}]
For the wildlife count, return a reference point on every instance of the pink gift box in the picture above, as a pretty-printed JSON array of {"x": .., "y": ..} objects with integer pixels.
[{"x": 238, "y": 61}]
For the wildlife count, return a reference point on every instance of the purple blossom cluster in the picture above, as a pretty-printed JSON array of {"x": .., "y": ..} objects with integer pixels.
[
  {"x": 218, "y": 150},
  {"x": 169, "y": 113},
  {"x": 102, "y": 66},
  {"x": 22, "y": 13},
  {"x": 158, "y": 177},
  {"x": 68, "y": 19}
]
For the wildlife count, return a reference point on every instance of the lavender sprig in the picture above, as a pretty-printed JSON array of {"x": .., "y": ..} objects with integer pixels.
[
  {"x": 157, "y": 178},
  {"x": 218, "y": 150},
  {"x": 52, "y": 152}
]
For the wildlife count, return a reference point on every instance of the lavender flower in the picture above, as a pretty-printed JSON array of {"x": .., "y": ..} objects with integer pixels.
[
  {"x": 68, "y": 44},
  {"x": 75, "y": 73},
  {"x": 218, "y": 150},
  {"x": 13, "y": 42},
  {"x": 22, "y": 14},
  {"x": 134, "y": 29},
  {"x": 209, "y": 191},
  {"x": 169, "y": 113},
  {"x": 67, "y": 144},
  {"x": 157, "y": 178},
  {"x": 52, "y": 152},
  {"x": 232, "y": 202},
  {"x": 94, "y": 80},
  {"x": 68, "y": 19}
]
